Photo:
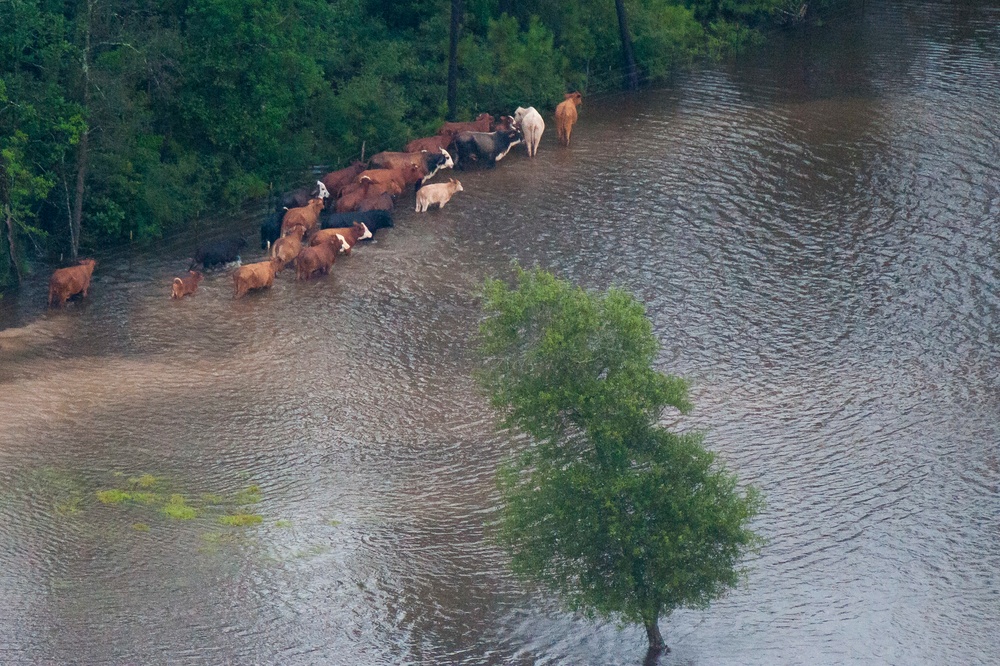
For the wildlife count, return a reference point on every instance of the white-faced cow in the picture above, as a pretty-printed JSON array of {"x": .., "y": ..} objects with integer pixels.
[
  {"x": 431, "y": 162},
  {"x": 301, "y": 196},
  {"x": 486, "y": 148}
]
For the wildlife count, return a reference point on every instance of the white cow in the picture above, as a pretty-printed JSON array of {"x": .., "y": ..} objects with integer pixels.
[
  {"x": 438, "y": 193},
  {"x": 532, "y": 126}
]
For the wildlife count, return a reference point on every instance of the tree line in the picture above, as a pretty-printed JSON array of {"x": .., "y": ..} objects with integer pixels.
[{"x": 125, "y": 119}]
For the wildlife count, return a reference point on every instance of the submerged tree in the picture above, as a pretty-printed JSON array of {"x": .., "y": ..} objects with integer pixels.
[{"x": 622, "y": 517}]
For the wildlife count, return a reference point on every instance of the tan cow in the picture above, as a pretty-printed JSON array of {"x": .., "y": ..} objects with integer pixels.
[
  {"x": 438, "y": 193},
  {"x": 286, "y": 248},
  {"x": 566, "y": 116},
  {"x": 254, "y": 276},
  {"x": 65, "y": 282},
  {"x": 306, "y": 216},
  {"x": 185, "y": 286}
]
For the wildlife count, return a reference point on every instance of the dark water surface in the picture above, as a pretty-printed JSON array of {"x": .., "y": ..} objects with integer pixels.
[{"x": 815, "y": 232}]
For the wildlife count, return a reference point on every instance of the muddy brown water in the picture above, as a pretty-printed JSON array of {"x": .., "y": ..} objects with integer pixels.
[{"x": 814, "y": 229}]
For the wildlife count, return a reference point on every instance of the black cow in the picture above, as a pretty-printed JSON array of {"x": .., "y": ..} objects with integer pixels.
[
  {"x": 487, "y": 148},
  {"x": 270, "y": 230},
  {"x": 300, "y": 197},
  {"x": 222, "y": 251},
  {"x": 373, "y": 219}
]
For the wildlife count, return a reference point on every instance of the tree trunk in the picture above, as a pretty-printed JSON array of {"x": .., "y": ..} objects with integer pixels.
[
  {"x": 631, "y": 71},
  {"x": 456, "y": 24},
  {"x": 13, "y": 248},
  {"x": 82, "y": 155},
  {"x": 656, "y": 644}
]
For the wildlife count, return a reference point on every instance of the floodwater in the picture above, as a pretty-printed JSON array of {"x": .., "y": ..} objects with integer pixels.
[{"x": 814, "y": 229}]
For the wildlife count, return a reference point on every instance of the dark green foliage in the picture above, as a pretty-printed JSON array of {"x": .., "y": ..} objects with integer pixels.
[
  {"x": 624, "y": 518},
  {"x": 196, "y": 106}
]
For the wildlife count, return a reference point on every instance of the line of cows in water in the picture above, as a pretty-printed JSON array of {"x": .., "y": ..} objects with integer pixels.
[{"x": 312, "y": 225}]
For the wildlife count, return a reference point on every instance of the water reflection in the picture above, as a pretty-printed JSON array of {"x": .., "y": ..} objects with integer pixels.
[{"x": 813, "y": 230}]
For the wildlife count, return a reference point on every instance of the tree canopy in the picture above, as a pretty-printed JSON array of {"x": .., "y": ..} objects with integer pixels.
[
  {"x": 621, "y": 516},
  {"x": 127, "y": 118}
]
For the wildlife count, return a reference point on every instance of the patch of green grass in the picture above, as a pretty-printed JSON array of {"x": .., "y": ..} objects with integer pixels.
[
  {"x": 282, "y": 523},
  {"x": 177, "y": 509},
  {"x": 140, "y": 527},
  {"x": 249, "y": 495},
  {"x": 144, "y": 481},
  {"x": 333, "y": 523},
  {"x": 68, "y": 507},
  {"x": 241, "y": 519}
]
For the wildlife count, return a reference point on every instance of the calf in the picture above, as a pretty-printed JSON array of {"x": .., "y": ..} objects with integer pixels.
[
  {"x": 306, "y": 217},
  {"x": 335, "y": 181},
  {"x": 254, "y": 276},
  {"x": 66, "y": 282},
  {"x": 301, "y": 196},
  {"x": 429, "y": 163},
  {"x": 286, "y": 248},
  {"x": 316, "y": 258},
  {"x": 431, "y": 144},
  {"x": 185, "y": 286},
  {"x": 222, "y": 251},
  {"x": 438, "y": 193},
  {"x": 485, "y": 147},
  {"x": 532, "y": 126},
  {"x": 482, "y": 123},
  {"x": 373, "y": 220},
  {"x": 566, "y": 116},
  {"x": 348, "y": 236}
]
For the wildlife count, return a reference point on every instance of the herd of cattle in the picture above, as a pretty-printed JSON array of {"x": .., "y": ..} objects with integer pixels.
[{"x": 312, "y": 225}]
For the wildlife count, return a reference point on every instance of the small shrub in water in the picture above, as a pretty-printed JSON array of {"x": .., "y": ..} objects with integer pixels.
[{"x": 242, "y": 519}]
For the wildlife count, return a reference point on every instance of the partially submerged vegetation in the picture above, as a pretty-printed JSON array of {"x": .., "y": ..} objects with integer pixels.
[{"x": 203, "y": 106}]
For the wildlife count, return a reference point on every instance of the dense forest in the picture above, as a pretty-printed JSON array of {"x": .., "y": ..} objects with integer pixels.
[{"x": 128, "y": 118}]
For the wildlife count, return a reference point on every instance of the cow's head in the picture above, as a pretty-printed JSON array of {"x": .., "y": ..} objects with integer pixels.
[
  {"x": 448, "y": 162},
  {"x": 485, "y": 116},
  {"x": 576, "y": 97},
  {"x": 321, "y": 190},
  {"x": 88, "y": 262},
  {"x": 361, "y": 229},
  {"x": 455, "y": 185}
]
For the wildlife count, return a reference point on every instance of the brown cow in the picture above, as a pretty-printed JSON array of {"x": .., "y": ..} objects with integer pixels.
[
  {"x": 336, "y": 180},
  {"x": 402, "y": 176},
  {"x": 431, "y": 144},
  {"x": 348, "y": 236},
  {"x": 185, "y": 286},
  {"x": 317, "y": 258},
  {"x": 254, "y": 276},
  {"x": 66, "y": 282},
  {"x": 306, "y": 217},
  {"x": 379, "y": 202},
  {"x": 355, "y": 193},
  {"x": 482, "y": 123},
  {"x": 286, "y": 248},
  {"x": 566, "y": 116}
]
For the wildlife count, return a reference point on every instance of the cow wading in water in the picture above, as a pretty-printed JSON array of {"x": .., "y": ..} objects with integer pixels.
[{"x": 486, "y": 148}]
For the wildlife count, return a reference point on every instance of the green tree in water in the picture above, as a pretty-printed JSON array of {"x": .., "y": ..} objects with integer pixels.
[{"x": 625, "y": 519}]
